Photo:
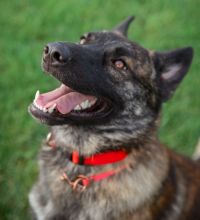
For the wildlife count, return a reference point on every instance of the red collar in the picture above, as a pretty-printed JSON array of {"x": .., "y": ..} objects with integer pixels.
[
  {"x": 98, "y": 159},
  {"x": 104, "y": 158},
  {"x": 81, "y": 182}
]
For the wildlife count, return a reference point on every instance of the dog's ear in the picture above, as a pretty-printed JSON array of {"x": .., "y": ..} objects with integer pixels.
[
  {"x": 171, "y": 67},
  {"x": 122, "y": 28}
]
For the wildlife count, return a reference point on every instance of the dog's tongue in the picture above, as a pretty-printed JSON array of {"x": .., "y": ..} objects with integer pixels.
[{"x": 65, "y": 99}]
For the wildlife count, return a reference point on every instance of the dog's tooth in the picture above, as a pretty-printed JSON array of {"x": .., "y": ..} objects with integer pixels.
[
  {"x": 37, "y": 94},
  {"x": 48, "y": 136},
  {"x": 82, "y": 105},
  {"x": 78, "y": 107},
  {"x": 44, "y": 110},
  {"x": 51, "y": 109},
  {"x": 85, "y": 104}
]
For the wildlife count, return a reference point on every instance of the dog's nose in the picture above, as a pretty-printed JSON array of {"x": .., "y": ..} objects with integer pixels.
[{"x": 56, "y": 54}]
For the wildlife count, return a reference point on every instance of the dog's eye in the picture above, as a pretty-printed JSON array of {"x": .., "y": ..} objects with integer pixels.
[{"x": 120, "y": 64}]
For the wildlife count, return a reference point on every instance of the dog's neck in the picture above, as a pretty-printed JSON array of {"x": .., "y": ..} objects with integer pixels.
[
  {"x": 89, "y": 141},
  {"x": 98, "y": 159}
]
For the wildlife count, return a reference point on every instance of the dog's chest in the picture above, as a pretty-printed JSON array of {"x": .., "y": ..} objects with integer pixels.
[
  {"x": 78, "y": 209},
  {"x": 115, "y": 198},
  {"x": 70, "y": 207}
]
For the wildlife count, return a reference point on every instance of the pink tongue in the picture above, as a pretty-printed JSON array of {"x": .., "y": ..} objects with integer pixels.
[
  {"x": 64, "y": 98},
  {"x": 68, "y": 102},
  {"x": 44, "y": 98}
]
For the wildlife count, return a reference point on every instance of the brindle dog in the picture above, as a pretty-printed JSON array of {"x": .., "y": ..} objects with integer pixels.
[{"x": 111, "y": 94}]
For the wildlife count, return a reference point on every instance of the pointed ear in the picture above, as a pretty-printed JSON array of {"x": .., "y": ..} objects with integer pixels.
[
  {"x": 122, "y": 28},
  {"x": 171, "y": 67}
]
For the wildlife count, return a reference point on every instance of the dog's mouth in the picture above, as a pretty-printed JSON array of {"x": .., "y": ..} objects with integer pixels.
[{"x": 64, "y": 105}]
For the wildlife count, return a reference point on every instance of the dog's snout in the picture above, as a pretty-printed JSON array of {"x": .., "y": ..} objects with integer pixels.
[{"x": 56, "y": 54}]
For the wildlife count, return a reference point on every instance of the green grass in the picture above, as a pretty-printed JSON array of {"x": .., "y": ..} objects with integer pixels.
[{"x": 26, "y": 26}]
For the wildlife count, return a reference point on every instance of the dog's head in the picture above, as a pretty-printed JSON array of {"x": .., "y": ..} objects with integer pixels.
[{"x": 111, "y": 89}]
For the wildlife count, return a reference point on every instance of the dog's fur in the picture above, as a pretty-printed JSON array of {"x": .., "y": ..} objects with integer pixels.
[{"x": 159, "y": 184}]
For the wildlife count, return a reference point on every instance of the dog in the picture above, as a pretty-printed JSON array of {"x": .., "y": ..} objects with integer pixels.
[{"x": 102, "y": 159}]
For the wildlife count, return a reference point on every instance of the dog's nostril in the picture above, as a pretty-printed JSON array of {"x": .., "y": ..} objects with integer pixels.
[
  {"x": 57, "y": 56},
  {"x": 46, "y": 50}
]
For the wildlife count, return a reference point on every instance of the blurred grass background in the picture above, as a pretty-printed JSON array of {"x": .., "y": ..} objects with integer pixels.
[{"x": 26, "y": 26}]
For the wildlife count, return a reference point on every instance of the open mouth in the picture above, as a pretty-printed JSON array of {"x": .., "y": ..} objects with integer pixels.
[{"x": 64, "y": 105}]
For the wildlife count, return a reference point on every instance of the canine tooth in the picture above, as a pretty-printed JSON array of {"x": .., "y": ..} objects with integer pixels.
[
  {"x": 51, "y": 109},
  {"x": 48, "y": 137},
  {"x": 78, "y": 107},
  {"x": 37, "y": 94}
]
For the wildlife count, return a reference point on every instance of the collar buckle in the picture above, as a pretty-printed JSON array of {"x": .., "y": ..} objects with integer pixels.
[{"x": 79, "y": 184}]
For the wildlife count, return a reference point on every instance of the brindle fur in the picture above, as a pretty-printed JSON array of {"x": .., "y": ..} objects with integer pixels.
[{"x": 158, "y": 184}]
